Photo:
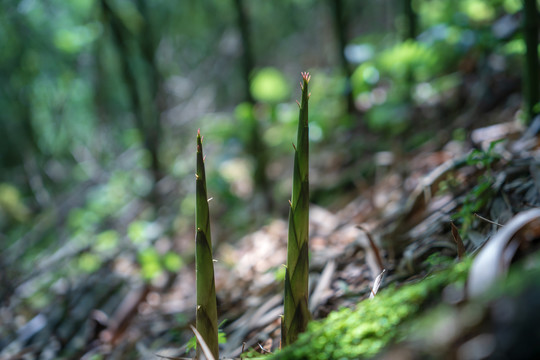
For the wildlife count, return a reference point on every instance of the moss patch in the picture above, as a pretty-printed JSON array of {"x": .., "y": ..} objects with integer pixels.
[{"x": 366, "y": 330}]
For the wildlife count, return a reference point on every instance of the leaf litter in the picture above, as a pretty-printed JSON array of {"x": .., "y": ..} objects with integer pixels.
[{"x": 403, "y": 220}]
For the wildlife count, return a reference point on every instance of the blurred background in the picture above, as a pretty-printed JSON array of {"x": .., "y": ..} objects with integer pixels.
[{"x": 101, "y": 101}]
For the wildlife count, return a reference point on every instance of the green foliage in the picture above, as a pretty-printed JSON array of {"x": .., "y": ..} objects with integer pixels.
[
  {"x": 89, "y": 262},
  {"x": 172, "y": 261},
  {"x": 389, "y": 118},
  {"x": 269, "y": 85},
  {"x": 400, "y": 74},
  {"x": 485, "y": 158},
  {"x": 150, "y": 263},
  {"x": 366, "y": 330},
  {"x": 437, "y": 261},
  {"x": 252, "y": 354},
  {"x": 96, "y": 357},
  {"x": 482, "y": 192},
  {"x": 279, "y": 273},
  {"x": 364, "y": 78},
  {"x": 388, "y": 108},
  {"x": 222, "y": 339},
  {"x": 106, "y": 241},
  {"x": 11, "y": 204},
  {"x": 409, "y": 56}
]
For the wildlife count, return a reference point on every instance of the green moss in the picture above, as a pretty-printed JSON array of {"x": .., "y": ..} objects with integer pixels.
[{"x": 366, "y": 330}]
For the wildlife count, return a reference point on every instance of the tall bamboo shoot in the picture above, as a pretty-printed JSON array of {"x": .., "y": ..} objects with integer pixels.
[
  {"x": 206, "y": 315},
  {"x": 296, "y": 314}
]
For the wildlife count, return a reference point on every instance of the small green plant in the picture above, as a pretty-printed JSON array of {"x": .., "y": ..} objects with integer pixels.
[
  {"x": 206, "y": 315},
  {"x": 485, "y": 158},
  {"x": 479, "y": 196},
  {"x": 222, "y": 339},
  {"x": 296, "y": 314}
]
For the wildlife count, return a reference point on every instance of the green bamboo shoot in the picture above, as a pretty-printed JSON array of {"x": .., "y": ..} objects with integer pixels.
[
  {"x": 296, "y": 311},
  {"x": 206, "y": 317}
]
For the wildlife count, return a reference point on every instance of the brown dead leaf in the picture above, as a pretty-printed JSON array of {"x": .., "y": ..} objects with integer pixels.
[
  {"x": 374, "y": 248},
  {"x": 459, "y": 242}
]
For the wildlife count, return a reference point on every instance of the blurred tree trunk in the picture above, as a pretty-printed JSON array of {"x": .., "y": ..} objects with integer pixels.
[
  {"x": 341, "y": 26},
  {"x": 131, "y": 48},
  {"x": 530, "y": 32},
  {"x": 25, "y": 143},
  {"x": 148, "y": 48},
  {"x": 409, "y": 34},
  {"x": 411, "y": 20},
  {"x": 255, "y": 146},
  {"x": 247, "y": 54}
]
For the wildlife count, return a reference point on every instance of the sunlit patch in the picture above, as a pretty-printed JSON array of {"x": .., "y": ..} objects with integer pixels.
[
  {"x": 478, "y": 10},
  {"x": 315, "y": 132},
  {"x": 269, "y": 85},
  {"x": 237, "y": 172}
]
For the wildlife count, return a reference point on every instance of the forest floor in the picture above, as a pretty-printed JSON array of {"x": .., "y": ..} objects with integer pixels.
[{"x": 403, "y": 224}]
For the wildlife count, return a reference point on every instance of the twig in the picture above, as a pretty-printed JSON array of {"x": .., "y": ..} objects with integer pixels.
[
  {"x": 263, "y": 349},
  {"x": 487, "y": 220},
  {"x": 172, "y": 358}
]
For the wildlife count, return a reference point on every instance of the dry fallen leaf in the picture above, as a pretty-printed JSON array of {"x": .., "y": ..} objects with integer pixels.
[
  {"x": 459, "y": 241},
  {"x": 377, "y": 284},
  {"x": 376, "y": 253},
  {"x": 495, "y": 257},
  {"x": 204, "y": 347}
]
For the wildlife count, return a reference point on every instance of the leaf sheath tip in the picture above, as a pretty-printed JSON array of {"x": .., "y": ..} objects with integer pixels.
[{"x": 306, "y": 76}]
